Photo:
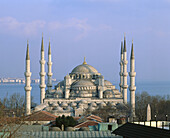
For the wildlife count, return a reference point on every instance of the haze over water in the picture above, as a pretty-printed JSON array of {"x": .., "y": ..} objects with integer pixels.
[{"x": 153, "y": 88}]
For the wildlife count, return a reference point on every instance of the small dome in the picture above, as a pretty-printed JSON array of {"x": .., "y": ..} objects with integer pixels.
[
  {"x": 111, "y": 104},
  {"x": 90, "y": 108},
  {"x": 83, "y": 101},
  {"x": 69, "y": 108},
  {"x": 102, "y": 104},
  {"x": 60, "y": 84},
  {"x": 84, "y": 68},
  {"x": 64, "y": 104},
  {"x": 54, "y": 104},
  {"x": 58, "y": 108},
  {"x": 93, "y": 104},
  {"x": 108, "y": 92},
  {"x": 55, "y": 129},
  {"x": 73, "y": 104},
  {"x": 69, "y": 129}
]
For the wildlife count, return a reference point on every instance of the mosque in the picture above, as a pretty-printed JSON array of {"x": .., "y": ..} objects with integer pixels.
[{"x": 82, "y": 89}]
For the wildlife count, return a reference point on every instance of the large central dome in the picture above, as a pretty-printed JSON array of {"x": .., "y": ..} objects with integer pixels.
[{"x": 84, "y": 68}]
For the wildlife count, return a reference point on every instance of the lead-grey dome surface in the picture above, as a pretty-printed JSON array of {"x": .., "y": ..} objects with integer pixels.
[{"x": 84, "y": 68}]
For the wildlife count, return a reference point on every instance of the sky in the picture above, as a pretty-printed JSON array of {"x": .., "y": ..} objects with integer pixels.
[{"x": 86, "y": 28}]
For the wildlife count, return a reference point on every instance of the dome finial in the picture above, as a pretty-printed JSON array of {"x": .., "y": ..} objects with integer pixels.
[{"x": 84, "y": 61}]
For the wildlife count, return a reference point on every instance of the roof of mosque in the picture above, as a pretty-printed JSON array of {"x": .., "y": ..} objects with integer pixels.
[{"x": 84, "y": 68}]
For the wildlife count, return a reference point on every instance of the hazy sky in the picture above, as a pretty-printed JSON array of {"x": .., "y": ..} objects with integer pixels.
[{"x": 91, "y": 28}]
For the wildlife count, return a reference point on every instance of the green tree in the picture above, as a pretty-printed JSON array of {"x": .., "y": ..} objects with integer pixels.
[{"x": 66, "y": 121}]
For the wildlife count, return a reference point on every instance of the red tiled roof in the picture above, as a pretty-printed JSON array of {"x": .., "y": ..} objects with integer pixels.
[
  {"x": 94, "y": 117},
  {"x": 76, "y": 118},
  {"x": 86, "y": 124},
  {"x": 41, "y": 116}
]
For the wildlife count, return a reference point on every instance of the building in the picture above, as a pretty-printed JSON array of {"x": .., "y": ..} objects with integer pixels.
[{"x": 84, "y": 88}]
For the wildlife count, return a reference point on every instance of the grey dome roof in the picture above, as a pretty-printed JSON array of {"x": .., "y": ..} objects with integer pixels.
[
  {"x": 102, "y": 104},
  {"x": 91, "y": 108},
  {"x": 93, "y": 104},
  {"x": 69, "y": 108},
  {"x": 108, "y": 92},
  {"x": 83, "y": 83},
  {"x": 64, "y": 104},
  {"x": 83, "y": 101},
  {"x": 84, "y": 68},
  {"x": 73, "y": 104}
]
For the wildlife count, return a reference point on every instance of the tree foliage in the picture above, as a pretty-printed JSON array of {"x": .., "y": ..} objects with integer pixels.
[
  {"x": 67, "y": 121},
  {"x": 160, "y": 106}
]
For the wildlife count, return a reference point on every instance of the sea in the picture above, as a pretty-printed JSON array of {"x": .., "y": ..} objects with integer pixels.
[{"x": 153, "y": 88}]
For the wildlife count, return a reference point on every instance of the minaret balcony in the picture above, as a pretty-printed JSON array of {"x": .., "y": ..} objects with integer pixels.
[
  {"x": 42, "y": 73},
  {"x": 124, "y": 86},
  {"x": 132, "y": 74},
  {"x": 120, "y": 84},
  {"x": 42, "y": 61},
  {"x": 49, "y": 63},
  {"x": 49, "y": 74},
  {"x": 121, "y": 73},
  {"x": 28, "y": 88},
  {"x": 125, "y": 62},
  {"x": 125, "y": 74},
  {"x": 27, "y": 74},
  {"x": 42, "y": 85},
  {"x": 132, "y": 88}
]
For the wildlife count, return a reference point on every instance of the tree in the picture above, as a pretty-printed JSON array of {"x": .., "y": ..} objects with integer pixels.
[
  {"x": 159, "y": 106},
  {"x": 66, "y": 121}
]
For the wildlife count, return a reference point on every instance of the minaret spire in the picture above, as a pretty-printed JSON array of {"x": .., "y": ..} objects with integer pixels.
[
  {"x": 125, "y": 74},
  {"x": 132, "y": 52},
  {"x": 27, "y": 53},
  {"x": 132, "y": 87},
  {"x": 121, "y": 67},
  {"x": 124, "y": 43},
  {"x": 42, "y": 73},
  {"x": 49, "y": 74},
  {"x": 42, "y": 43},
  {"x": 27, "y": 83}
]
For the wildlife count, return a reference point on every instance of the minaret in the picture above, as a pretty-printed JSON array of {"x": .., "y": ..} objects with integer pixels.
[
  {"x": 125, "y": 74},
  {"x": 121, "y": 68},
  {"x": 42, "y": 73},
  {"x": 27, "y": 83},
  {"x": 132, "y": 87},
  {"x": 49, "y": 74}
]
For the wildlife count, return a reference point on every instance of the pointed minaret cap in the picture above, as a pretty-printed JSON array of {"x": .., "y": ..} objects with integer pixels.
[
  {"x": 42, "y": 44},
  {"x": 122, "y": 47},
  {"x": 124, "y": 43},
  {"x": 49, "y": 49},
  {"x": 132, "y": 52},
  {"x": 27, "y": 54},
  {"x": 84, "y": 61}
]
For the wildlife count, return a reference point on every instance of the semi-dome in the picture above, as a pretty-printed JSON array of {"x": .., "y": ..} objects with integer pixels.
[
  {"x": 107, "y": 83},
  {"x": 83, "y": 83}
]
